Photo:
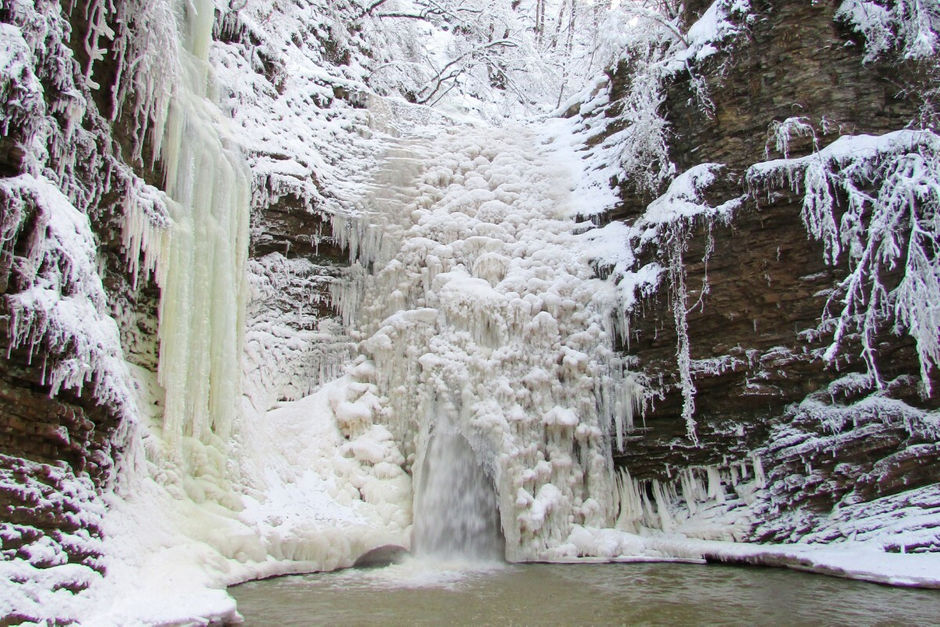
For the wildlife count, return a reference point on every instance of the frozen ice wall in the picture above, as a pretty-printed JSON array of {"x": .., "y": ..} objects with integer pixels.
[
  {"x": 218, "y": 489},
  {"x": 474, "y": 297},
  {"x": 203, "y": 295}
]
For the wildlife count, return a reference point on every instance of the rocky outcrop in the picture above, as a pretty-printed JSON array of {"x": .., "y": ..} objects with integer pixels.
[
  {"x": 757, "y": 286},
  {"x": 79, "y": 123},
  {"x": 60, "y": 442}
]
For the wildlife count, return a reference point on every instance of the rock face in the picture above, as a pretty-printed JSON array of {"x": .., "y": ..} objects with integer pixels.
[
  {"x": 71, "y": 126},
  {"x": 55, "y": 453},
  {"x": 59, "y": 444},
  {"x": 756, "y": 289}
]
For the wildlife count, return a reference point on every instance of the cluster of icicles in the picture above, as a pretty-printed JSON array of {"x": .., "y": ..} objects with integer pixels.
[
  {"x": 469, "y": 291},
  {"x": 198, "y": 255},
  {"x": 487, "y": 327}
]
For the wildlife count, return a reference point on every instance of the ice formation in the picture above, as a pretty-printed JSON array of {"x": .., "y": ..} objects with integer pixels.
[
  {"x": 483, "y": 316},
  {"x": 203, "y": 295},
  {"x": 481, "y": 411}
]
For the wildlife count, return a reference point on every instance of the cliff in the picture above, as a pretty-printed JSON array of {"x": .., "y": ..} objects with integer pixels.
[
  {"x": 837, "y": 439},
  {"x": 192, "y": 244}
]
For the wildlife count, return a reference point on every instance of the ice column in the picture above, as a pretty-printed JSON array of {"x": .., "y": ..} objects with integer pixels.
[{"x": 204, "y": 291}]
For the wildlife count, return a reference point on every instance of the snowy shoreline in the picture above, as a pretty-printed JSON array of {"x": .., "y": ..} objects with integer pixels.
[{"x": 912, "y": 570}]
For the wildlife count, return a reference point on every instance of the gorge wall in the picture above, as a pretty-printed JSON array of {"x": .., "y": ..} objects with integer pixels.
[{"x": 756, "y": 286}]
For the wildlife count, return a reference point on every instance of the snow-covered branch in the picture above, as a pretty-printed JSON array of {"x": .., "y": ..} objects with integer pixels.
[
  {"x": 457, "y": 66},
  {"x": 877, "y": 200},
  {"x": 910, "y": 28}
]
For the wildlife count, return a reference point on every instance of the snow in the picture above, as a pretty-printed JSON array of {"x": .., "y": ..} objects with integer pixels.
[
  {"x": 722, "y": 20},
  {"x": 61, "y": 313},
  {"x": 20, "y": 90},
  {"x": 37, "y": 579},
  {"x": 853, "y": 560},
  {"x": 302, "y": 498},
  {"x": 682, "y": 199}
]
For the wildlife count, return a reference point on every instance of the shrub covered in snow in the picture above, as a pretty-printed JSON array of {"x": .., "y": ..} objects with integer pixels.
[{"x": 910, "y": 28}]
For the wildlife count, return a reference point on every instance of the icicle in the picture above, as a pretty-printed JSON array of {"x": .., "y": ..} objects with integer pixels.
[
  {"x": 715, "y": 489},
  {"x": 759, "y": 476},
  {"x": 203, "y": 295}
]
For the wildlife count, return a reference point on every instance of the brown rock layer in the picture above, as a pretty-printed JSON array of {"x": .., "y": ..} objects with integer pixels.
[{"x": 754, "y": 354}]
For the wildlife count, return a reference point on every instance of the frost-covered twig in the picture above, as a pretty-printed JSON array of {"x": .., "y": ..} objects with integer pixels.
[
  {"x": 676, "y": 246},
  {"x": 641, "y": 147},
  {"x": 667, "y": 224},
  {"x": 658, "y": 18},
  {"x": 143, "y": 43},
  {"x": 877, "y": 199},
  {"x": 780, "y": 133},
  {"x": 457, "y": 66},
  {"x": 910, "y": 28}
]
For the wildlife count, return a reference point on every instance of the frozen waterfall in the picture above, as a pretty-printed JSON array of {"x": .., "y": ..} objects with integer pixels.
[
  {"x": 491, "y": 338},
  {"x": 199, "y": 260}
]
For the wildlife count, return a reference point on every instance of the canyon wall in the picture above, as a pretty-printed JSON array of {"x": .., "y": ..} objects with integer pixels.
[{"x": 834, "y": 445}]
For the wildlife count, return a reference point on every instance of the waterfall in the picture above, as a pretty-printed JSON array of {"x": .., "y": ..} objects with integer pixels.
[
  {"x": 491, "y": 339},
  {"x": 456, "y": 512}
]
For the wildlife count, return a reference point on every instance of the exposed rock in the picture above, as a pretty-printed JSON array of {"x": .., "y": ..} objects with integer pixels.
[
  {"x": 381, "y": 556},
  {"x": 60, "y": 449},
  {"x": 757, "y": 287}
]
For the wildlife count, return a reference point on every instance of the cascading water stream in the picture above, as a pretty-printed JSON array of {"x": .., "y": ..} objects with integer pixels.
[{"x": 456, "y": 510}]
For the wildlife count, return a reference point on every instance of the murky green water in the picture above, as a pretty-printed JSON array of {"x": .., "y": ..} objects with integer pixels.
[{"x": 582, "y": 594}]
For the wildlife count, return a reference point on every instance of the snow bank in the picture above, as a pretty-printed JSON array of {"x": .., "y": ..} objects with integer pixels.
[
  {"x": 853, "y": 560},
  {"x": 294, "y": 493}
]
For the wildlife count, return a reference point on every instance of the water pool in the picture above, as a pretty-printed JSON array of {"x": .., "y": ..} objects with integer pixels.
[{"x": 434, "y": 593}]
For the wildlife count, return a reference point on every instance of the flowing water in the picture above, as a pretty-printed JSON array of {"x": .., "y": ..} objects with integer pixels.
[
  {"x": 420, "y": 592},
  {"x": 456, "y": 513}
]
